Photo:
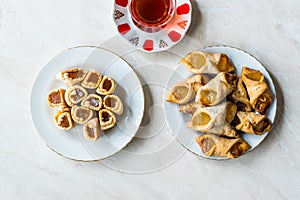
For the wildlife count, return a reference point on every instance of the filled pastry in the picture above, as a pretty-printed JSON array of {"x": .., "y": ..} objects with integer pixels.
[
  {"x": 240, "y": 97},
  {"x": 81, "y": 114},
  {"x": 190, "y": 108},
  {"x": 75, "y": 94},
  {"x": 250, "y": 122},
  {"x": 92, "y": 80},
  {"x": 63, "y": 120},
  {"x": 56, "y": 98},
  {"x": 113, "y": 103},
  {"x": 212, "y": 145},
  {"x": 71, "y": 76},
  {"x": 212, "y": 120},
  {"x": 92, "y": 129},
  {"x": 92, "y": 101},
  {"x": 197, "y": 81},
  {"x": 107, "y": 86},
  {"x": 107, "y": 119},
  {"x": 216, "y": 89},
  {"x": 181, "y": 93},
  {"x": 204, "y": 62},
  {"x": 258, "y": 91},
  {"x": 231, "y": 110}
]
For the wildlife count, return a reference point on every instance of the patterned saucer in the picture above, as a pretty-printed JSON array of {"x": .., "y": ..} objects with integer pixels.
[{"x": 158, "y": 41}]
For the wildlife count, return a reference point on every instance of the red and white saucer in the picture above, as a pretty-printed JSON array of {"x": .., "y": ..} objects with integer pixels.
[{"x": 158, "y": 41}]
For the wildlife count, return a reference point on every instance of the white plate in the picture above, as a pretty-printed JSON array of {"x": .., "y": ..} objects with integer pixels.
[
  {"x": 72, "y": 144},
  {"x": 177, "y": 120},
  {"x": 158, "y": 41}
]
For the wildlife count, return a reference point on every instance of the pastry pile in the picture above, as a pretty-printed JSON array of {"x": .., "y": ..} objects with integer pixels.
[
  {"x": 88, "y": 100},
  {"x": 223, "y": 105}
]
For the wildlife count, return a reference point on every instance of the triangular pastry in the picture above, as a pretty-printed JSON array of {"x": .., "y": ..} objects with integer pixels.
[
  {"x": 197, "y": 81},
  {"x": 92, "y": 129},
  {"x": 212, "y": 120},
  {"x": 107, "y": 86},
  {"x": 92, "y": 80},
  {"x": 56, "y": 98},
  {"x": 92, "y": 101},
  {"x": 81, "y": 114},
  {"x": 190, "y": 108},
  {"x": 204, "y": 62},
  {"x": 113, "y": 103},
  {"x": 240, "y": 97},
  {"x": 258, "y": 90},
  {"x": 71, "y": 76},
  {"x": 250, "y": 122},
  {"x": 181, "y": 93},
  {"x": 212, "y": 145},
  {"x": 75, "y": 95},
  {"x": 107, "y": 119},
  {"x": 63, "y": 120},
  {"x": 216, "y": 89}
]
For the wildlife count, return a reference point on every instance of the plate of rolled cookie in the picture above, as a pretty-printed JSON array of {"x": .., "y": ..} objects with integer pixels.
[
  {"x": 220, "y": 102},
  {"x": 87, "y": 103}
]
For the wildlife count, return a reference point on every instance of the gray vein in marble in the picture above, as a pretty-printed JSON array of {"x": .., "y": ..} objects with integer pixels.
[
  {"x": 45, "y": 169},
  {"x": 267, "y": 181}
]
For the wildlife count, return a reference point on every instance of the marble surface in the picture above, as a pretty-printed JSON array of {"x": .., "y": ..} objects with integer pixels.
[{"x": 32, "y": 32}]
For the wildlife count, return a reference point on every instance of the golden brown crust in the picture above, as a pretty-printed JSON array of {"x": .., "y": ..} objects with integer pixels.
[
  {"x": 253, "y": 123},
  {"x": 205, "y": 62},
  {"x": 240, "y": 97},
  {"x": 216, "y": 89},
  {"x": 63, "y": 120},
  {"x": 71, "y": 76},
  {"x": 107, "y": 119},
  {"x": 197, "y": 81},
  {"x": 75, "y": 94},
  {"x": 258, "y": 90},
  {"x": 92, "y": 80},
  {"x": 81, "y": 114},
  {"x": 91, "y": 129},
  {"x": 212, "y": 120},
  {"x": 212, "y": 145},
  {"x": 181, "y": 93},
  {"x": 107, "y": 86},
  {"x": 56, "y": 98},
  {"x": 92, "y": 101},
  {"x": 113, "y": 103}
]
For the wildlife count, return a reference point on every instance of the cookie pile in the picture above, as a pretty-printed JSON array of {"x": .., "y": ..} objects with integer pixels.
[{"x": 88, "y": 100}]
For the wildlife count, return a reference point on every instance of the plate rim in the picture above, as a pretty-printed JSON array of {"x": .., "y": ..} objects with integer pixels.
[
  {"x": 276, "y": 102},
  {"x": 30, "y": 103}
]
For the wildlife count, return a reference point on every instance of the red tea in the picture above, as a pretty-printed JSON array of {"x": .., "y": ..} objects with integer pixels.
[{"x": 151, "y": 12}]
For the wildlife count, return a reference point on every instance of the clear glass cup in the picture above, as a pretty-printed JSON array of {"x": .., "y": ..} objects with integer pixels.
[{"x": 152, "y": 15}]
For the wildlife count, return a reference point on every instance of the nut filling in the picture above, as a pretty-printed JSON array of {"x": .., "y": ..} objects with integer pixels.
[
  {"x": 82, "y": 113},
  {"x": 65, "y": 122},
  {"x": 79, "y": 94},
  {"x": 91, "y": 132},
  {"x": 93, "y": 78},
  {"x": 94, "y": 102},
  {"x": 110, "y": 102},
  {"x": 76, "y": 74},
  {"x": 55, "y": 97},
  {"x": 107, "y": 85},
  {"x": 105, "y": 117}
]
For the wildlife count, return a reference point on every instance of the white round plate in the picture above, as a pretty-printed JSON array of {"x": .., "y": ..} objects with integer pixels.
[
  {"x": 158, "y": 41},
  {"x": 72, "y": 144},
  {"x": 177, "y": 120}
]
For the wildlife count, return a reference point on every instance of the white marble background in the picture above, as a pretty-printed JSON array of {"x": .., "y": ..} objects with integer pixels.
[{"x": 33, "y": 31}]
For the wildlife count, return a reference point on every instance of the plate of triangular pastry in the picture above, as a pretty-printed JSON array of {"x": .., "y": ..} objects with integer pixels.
[
  {"x": 87, "y": 103},
  {"x": 220, "y": 102}
]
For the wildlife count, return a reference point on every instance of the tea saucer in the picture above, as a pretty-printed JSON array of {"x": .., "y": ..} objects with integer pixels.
[{"x": 158, "y": 41}]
